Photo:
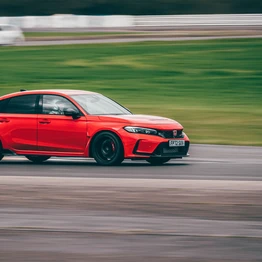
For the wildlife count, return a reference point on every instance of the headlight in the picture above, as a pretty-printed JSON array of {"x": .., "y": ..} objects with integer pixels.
[{"x": 140, "y": 130}]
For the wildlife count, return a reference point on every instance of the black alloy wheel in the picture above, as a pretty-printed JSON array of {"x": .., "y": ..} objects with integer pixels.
[
  {"x": 37, "y": 159},
  {"x": 157, "y": 161},
  {"x": 107, "y": 149}
]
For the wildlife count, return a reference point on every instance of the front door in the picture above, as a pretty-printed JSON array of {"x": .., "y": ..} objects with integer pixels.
[{"x": 57, "y": 133}]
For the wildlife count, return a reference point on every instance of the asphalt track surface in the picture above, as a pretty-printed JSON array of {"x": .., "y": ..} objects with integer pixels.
[
  {"x": 128, "y": 40},
  {"x": 206, "y": 162},
  {"x": 203, "y": 208}
]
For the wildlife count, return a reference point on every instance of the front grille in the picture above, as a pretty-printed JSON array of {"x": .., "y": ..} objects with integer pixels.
[
  {"x": 170, "y": 134},
  {"x": 164, "y": 150}
]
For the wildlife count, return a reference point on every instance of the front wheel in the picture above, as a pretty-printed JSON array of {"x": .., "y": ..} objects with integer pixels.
[
  {"x": 107, "y": 149},
  {"x": 1, "y": 156},
  {"x": 158, "y": 161},
  {"x": 38, "y": 159}
]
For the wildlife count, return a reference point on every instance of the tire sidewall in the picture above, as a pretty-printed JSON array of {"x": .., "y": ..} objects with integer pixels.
[
  {"x": 119, "y": 155},
  {"x": 37, "y": 159},
  {"x": 1, "y": 150}
]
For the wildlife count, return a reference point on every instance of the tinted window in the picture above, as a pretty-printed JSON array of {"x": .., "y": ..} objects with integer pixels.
[
  {"x": 2, "y": 105},
  {"x": 55, "y": 105},
  {"x": 22, "y": 105}
]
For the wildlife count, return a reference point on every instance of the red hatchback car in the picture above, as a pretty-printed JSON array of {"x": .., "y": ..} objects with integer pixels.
[{"x": 70, "y": 123}]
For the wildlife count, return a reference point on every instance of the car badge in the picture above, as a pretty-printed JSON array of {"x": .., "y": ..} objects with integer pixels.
[{"x": 174, "y": 133}]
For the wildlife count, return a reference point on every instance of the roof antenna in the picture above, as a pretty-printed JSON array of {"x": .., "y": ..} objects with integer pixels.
[{"x": 23, "y": 90}]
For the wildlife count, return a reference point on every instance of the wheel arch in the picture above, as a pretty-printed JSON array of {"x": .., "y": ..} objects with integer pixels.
[{"x": 90, "y": 153}]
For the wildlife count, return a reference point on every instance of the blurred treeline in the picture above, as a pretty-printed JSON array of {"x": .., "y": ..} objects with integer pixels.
[{"x": 127, "y": 7}]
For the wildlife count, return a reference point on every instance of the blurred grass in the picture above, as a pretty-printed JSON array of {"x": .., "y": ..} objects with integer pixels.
[{"x": 214, "y": 88}]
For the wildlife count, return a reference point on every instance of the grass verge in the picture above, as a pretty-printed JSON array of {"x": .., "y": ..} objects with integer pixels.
[{"x": 214, "y": 88}]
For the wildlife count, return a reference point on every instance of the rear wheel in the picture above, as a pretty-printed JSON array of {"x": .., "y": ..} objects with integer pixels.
[
  {"x": 157, "y": 161},
  {"x": 107, "y": 149},
  {"x": 38, "y": 159},
  {"x": 1, "y": 152}
]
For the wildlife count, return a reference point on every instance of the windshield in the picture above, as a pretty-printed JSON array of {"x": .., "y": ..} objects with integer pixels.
[{"x": 96, "y": 104}]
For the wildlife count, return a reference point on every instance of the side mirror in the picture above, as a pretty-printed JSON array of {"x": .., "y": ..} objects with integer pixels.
[{"x": 72, "y": 112}]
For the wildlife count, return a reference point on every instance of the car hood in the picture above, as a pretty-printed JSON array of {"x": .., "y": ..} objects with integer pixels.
[{"x": 142, "y": 120}]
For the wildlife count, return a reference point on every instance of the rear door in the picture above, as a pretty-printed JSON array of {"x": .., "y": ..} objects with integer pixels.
[
  {"x": 18, "y": 123},
  {"x": 58, "y": 133}
]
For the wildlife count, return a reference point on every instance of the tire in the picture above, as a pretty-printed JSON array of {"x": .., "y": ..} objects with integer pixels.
[
  {"x": 158, "y": 161},
  {"x": 37, "y": 159},
  {"x": 107, "y": 149},
  {"x": 1, "y": 155}
]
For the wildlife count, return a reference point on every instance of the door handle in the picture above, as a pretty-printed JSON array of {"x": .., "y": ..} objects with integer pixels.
[
  {"x": 45, "y": 121},
  {"x": 4, "y": 120}
]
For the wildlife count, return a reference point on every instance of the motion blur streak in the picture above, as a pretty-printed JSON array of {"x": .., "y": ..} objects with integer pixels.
[{"x": 205, "y": 208}]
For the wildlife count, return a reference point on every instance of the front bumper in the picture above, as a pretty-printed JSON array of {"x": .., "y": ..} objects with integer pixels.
[
  {"x": 163, "y": 150},
  {"x": 144, "y": 146}
]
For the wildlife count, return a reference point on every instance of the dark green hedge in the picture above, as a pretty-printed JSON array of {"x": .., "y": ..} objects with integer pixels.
[{"x": 131, "y": 7}]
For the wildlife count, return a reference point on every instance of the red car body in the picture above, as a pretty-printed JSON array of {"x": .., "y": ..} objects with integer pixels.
[{"x": 37, "y": 133}]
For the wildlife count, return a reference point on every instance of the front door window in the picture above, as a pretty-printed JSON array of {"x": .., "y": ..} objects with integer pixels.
[{"x": 55, "y": 105}]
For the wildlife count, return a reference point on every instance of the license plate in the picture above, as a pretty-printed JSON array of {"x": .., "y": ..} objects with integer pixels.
[{"x": 173, "y": 143}]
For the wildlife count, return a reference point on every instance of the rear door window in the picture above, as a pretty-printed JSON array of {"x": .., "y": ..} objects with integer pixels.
[
  {"x": 3, "y": 104},
  {"x": 22, "y": 105}
]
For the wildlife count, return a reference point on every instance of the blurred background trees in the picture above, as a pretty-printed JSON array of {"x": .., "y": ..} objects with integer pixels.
[{"x": 127, "y": 7}]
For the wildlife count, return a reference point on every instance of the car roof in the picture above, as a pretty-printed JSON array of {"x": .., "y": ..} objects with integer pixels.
[{"x": 50, "y": 91}]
